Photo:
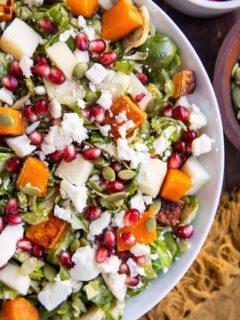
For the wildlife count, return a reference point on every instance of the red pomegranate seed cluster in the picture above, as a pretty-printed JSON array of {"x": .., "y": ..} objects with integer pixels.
[
  {"x": 131, "y": 216},
  {"x": 66, "y": 259},
  {"x": 92, "y": 213}
]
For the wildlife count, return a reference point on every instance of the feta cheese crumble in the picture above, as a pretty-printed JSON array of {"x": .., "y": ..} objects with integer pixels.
[
  {"x": 6, "y": 96},
  {"x": 201, "y": 145},
  {"x": 116, "y": 284},
  {"x": 110, "y": 265},
  {"x": 21, "y": 145},
  {"x": 105, "y": 100},
  {"x": 96, "y": 74},
  {"x": 97, "y": 226},
  {"x": 77, "y": 194},
  {"x": 137, "y": 202},
  {"x": 140, "y": 250},
  {"x": 55, "y": 109},
  {"x": 63, "y": 213},
  {"x": 25, "y": 64}
]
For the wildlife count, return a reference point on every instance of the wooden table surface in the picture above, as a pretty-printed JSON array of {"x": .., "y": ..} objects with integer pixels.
[{"x": 206, "y": 36}]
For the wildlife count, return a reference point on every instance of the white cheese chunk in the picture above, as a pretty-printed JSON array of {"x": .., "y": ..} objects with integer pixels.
[
  {"x": 76, "y": 172},
  {"x": 97, "y": 226},
  {"x": 198, "y": 174},
  {"x": 136, "y": 88},
  {"x": 201, "y": 145},
  {"x": 137, "y": 202},
  {"x": 63, "y": 213},
  {"x": 116, "y": 284},
  {"x": 96, "y": 74},
  {"x": 12, "y": 39},
  {"x": 105, "y": 100},
  {"x": 104, "y": 130},
  {"x": 119, "y": 84},
  {"x": 40, "y": 90},
  {"x": 106, "y": 4},
  {"x": 14, "y": 279},
  {"x": 81, "y": 22},
  {"x": 85, "y": 268},
  {"x": 72, "y": 124},
  {"x": 134, "y": 268},
  {"x": 31, "y": 3},
  {"x": 161, "y": 144},
  {"x": 140, "y": 250},
  {"x": 6, "y": 96},
  {"x": 60, "y": 54},
  {"x": 89, "y": 32},
  {"x": 124, "y": 151},
  {"x": 82, "y": 56},
  {"x": 21, "y": 145},
  {"x": 26, "y": 64},
  {"x": 54, "y": 293},
  {"x": 151, "y": 175},
  {"x": 110, "y": 265},
  {"x": 8, "y": 240},
  {"x": 118, "y": 219},
  {"x": 78, "y": 195},
  {"x": 197, "y": 118},
  {"x": 32, "y": 127},
  {"x": 55, "y": 109}
]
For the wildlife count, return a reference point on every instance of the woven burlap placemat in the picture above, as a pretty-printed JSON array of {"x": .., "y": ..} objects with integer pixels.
[{"x": 211, "y": 288}]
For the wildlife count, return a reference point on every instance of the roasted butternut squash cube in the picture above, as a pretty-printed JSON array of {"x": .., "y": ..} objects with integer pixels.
[
  {"x": 34, "y": 174},
  {"x": 6, "y": 10},
  {"x": 11, "y": 122},
  {"x": 47, "y": 233},
  {"x": 85, "y": 8},
  {"x": 120, "y": 21},
  {"x": 19, "y": 309},
  {"x": 124, "y": 106},
  {"x": 175, "y": 185},
  {"x": 184, "y": 83}
]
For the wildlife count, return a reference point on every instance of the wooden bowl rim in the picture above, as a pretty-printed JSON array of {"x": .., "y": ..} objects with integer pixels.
[{"x": 226, "y": 59}]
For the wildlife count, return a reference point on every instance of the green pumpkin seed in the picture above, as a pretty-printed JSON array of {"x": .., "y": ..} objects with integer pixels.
[
  {"x": 126, "y": 174},
  {"x": 119, "y": 203},
  {"x": 75, "y": 245},
  {"x": 80, "y": 70},
  {"x": 116, "y": 197},
  {"x": 28, "y": 266},
  {"x": 91, "y": 97},
  {"x": 31, "y": 191},
  {"x": 151, "y": 224},
  {"x": 49, "y": 272},
  {"x": 6, "y": 120},
  {"x": 93, "y": 184},
  {"x": 156, "y": 206},
  {"x": 235, "y": 67},
  {"x": 236, "y": 97},
  {"x": 237, "y": 76},
  {"x": 108, "y": 174},
  {"x": 96, "y": 172}
]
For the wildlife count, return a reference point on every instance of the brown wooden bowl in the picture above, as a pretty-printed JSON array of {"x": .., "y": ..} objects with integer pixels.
[{"x": 227, "y": 57}]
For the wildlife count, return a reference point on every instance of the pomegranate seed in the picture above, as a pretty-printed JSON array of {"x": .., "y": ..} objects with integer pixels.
[
  {"x": 116, "y": 166},
  {"x": 174, "y": 161},
  {"x": 97, "y": 46},
  {"x": 36, "y": 138},
  {"x": 153, "y": 157},
  {"x": 128, "y": 237},
  {"x": 101, "y": 255},
  {"x": 91, "y": 153},
  {"x": 115, "y": 186},
  {"x": 124, "y": 269},
  {"x": 25, "y": 245},
  {"x": 109, "y": 239},
  {"x": 139, "y": 97},
  {"x": 69, "y": 153},
  {"x": 131, "y": 216},
  {"x": 180, "y": 147},
  {"x": 189, "y": 147},
  {"x": 86, "y": 114},
  {"x": 29, "y": 113},
  {"x": 92, "y": 213},
  {"x": 37, "y": 251},
  {"x": 108, "y": 58},
  {"x": 56, "y": 76},
  {"x": 13, "y": 164},
  {"x": 10, "y": 82},
  {"x": 190, "y": 135},
  {"x": 42, "y": 70},
  {"x": 41, "y": 107},
  {"x": 48, "y": 26},
  {"x": 103, "y": 184},
  {"x": 141, "y": 260},
  {"x": 184, "y": 157},
  {"x": 132, "y": 282},
  {"x": 124, "y": 255},
  {"x": 56, "y": 156},
  {"x": 167, "y": 111},
  {"x": 81, "y": 41},
  {"x": 41, "y": 59},
  {"x": 1, "y": 224},
  {"x": 12, "y": 207},
  {"x": 142, "y": 77},
  {"x": 15, "y": 70},
  {"x": 180, "y": 113},
  {"x": 66, "y": 260},
  {"x": 185, "y": 231},
  {"x": 14, "y": 219},
  {"x": 97, "y": 113}
]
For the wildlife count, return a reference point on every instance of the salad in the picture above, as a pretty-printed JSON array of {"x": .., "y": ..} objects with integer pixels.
[{"x": 99, "y": 147}]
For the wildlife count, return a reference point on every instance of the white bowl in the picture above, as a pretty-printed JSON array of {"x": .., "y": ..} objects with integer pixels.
[
  {"x": 214, "y": 162},
  {"x": 204, "y": 8}
]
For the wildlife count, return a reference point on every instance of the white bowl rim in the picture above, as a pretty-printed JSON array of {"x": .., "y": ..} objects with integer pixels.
[
  {"x": 173, "y": 282},
  {"x": 231, "y": 4}
]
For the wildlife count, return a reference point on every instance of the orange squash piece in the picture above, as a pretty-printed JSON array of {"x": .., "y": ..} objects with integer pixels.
[
  {"x": 47, "y": 233},
  {"x": 139, "y": 231},
  {"x": 120, "y": 21},
  {"x": 184, "y": 83},
  {"x": 133, "y": 112},
  {"x": 85, "y": 8},
  {"x": 35, "y": 174},
  {"x": 19, "y": 309},
  {"x": 14, "y": 122},
  {"x": 175, "y": 185},
  {"x": 6, "y": 10}
]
